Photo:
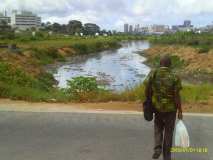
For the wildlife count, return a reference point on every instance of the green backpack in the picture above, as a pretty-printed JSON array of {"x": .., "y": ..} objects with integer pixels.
[{"x": 163, "y": 88}]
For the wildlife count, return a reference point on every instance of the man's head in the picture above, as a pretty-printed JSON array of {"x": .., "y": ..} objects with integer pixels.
[{"x": 165, "y": 61}]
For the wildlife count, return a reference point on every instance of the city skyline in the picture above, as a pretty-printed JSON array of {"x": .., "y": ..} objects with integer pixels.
[{"x": 113, "y": 14}]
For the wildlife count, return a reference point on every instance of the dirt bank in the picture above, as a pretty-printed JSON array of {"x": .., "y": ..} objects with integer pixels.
[{"x": 197, "y": 65}]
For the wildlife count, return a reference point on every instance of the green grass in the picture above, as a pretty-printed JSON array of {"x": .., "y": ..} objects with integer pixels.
[
  {"x": 18, "y": 92},
  {"x": 204, "y": 41},
  {"x": 189, "y": 94},
  {"x": 197, "y": 93}
]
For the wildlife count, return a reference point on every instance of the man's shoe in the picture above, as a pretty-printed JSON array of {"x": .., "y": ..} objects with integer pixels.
[{"x": 156, "y": 155}]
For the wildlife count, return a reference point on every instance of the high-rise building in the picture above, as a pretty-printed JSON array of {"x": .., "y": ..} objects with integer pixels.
[
  {"x": 25, "y": 20},
  {"x": 130, "y": 29},
  {"x": 137, "y": 28},
  {"x": 187, "y": 23},
  {"x": 126, "y": 28},
  {"x": 186, "y": 27}
]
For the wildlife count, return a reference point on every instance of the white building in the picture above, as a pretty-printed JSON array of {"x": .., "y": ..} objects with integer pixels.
[
  {"x": 159, "y": 29},
  {"x": 144, "y": 30},
  {"x": 25, "y": 20},
  {"x": 186, "y": 27},
  {"x": 137, "y": 28}
]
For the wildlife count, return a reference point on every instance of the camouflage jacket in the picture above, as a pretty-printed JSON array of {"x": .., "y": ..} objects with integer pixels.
[{"x": 164, "y": 83}]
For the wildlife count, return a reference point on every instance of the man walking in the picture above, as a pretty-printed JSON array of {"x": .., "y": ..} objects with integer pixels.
[{"x": 165, "y": 88}]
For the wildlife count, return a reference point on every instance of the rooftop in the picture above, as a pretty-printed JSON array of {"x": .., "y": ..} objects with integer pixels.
[{"x": 23, "y": 13}]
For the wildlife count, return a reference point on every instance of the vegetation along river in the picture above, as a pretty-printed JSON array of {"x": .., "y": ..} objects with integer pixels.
[{"x": 115, "y": 69}]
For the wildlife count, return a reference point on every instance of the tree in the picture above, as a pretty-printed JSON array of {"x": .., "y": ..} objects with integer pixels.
[
  {"x": 74, "y": 26},
  {"x": 110, "y": 33},
  {"x": 63, "y": 28},
  {"x": 56, "y": 27},
  {"x": 4, "y": 26},
  {"x": 33, "y": 29},
  {"x": 46, "y": 26},
  {"x": 6, "y": 31},
  {"x": 103, "y": 32}
]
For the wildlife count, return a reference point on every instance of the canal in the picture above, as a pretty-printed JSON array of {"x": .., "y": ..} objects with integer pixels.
[{"x": 115, "y": 69}]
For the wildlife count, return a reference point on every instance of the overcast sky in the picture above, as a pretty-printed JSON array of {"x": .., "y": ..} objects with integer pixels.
[{"x": 112, "y": 14}]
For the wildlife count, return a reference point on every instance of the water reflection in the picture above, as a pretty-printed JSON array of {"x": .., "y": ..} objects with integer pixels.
[{"x": 116, "y": 69}]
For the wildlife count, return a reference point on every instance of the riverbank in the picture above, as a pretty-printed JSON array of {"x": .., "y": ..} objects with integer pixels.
[
  {"x": 22, "y": 71},
  {"x": 192, "y": 66},
  {"x": 23, "y": 75}
]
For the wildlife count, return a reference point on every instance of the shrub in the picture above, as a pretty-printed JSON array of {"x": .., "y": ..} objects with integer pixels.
[
  {"x": 82, "y": 85},
  {"x": 15, "y": 76},
  {"x": 47, "y": 79}
]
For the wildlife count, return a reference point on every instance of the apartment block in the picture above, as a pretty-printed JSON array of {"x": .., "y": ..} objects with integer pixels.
[
  {"x": 25, "y": 20},
  {"x": 126, "y": 28}
]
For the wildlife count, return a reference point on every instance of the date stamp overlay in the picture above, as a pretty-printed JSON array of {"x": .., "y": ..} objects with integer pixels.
[{"x": 189, "y": 150}]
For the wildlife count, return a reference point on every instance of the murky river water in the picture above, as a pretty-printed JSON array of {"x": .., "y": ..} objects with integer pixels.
[{"x": 116, "y": 69}]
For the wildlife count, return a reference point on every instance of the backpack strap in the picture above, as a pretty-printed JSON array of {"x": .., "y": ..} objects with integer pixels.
[{"x": 150, "y": 82}]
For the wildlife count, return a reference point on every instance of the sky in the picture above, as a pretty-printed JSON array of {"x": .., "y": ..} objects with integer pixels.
[{"x": 112, "y": 14}]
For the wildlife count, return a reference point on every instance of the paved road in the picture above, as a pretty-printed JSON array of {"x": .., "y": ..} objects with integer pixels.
[{"x": 83, "y": 136}]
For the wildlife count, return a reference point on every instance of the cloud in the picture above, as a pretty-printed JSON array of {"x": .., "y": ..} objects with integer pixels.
[{"x": 113, "y": 13}]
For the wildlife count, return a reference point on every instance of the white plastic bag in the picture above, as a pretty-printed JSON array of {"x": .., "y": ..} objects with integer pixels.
[{"x": 181, "y": 135}]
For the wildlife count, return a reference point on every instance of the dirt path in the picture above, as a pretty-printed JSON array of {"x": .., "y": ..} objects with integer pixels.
[{"x": 10, "y": 105}]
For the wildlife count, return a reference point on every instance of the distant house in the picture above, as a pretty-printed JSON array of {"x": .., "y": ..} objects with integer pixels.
[
  {"x": 91, "y": 28},
  {"x": 159, "y": 29}
]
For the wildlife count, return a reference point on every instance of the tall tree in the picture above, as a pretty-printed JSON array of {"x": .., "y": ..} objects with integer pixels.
[
  {"x": 74, "y": 26},
  {"x": 56, "y": 27},
  {"x": 3, "y": 25},
  {"x": 6, "y": 30}
]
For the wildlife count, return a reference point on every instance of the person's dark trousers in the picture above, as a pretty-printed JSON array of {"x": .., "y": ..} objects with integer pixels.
[{"x": 164, "y": 124}]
